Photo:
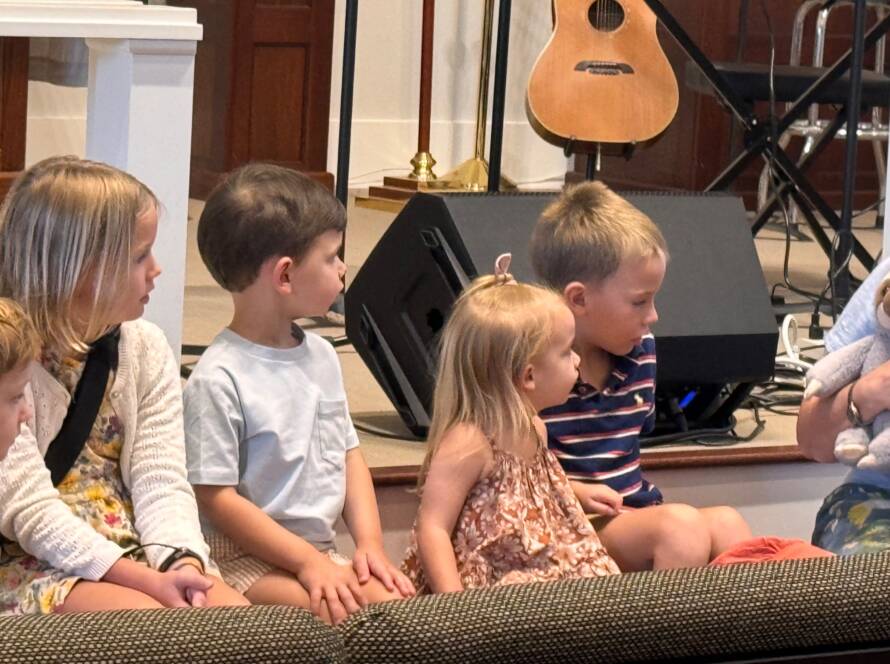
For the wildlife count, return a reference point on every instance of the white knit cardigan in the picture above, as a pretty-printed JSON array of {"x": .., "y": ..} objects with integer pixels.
[{"x": 147, "y": 397}]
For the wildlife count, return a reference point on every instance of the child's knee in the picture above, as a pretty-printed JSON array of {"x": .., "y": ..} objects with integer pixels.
[
  {"x": 727, "y": 528},
  {"x": 727, "y": 520},
  {"x": 374, "y": 591},
  {"x": 683, "y": 537},
  {"x": 678, "y": 521}
]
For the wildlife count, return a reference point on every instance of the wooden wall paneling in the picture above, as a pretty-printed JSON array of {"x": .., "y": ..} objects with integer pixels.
[
  {"x": 288, "y": 71},
  {"x": 13, "y": 108},
  {"x": 211, "y": 118},
  {"x": 262, "y": 87}
]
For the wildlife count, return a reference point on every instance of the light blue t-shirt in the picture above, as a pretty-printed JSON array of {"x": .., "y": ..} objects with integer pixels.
[
  {"x": 857, "y": 321},
  {"x": 274, "y": 423}
]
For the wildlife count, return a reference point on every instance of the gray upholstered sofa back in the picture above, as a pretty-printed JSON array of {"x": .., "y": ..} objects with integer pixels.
[{"x": 803, "y": 609}]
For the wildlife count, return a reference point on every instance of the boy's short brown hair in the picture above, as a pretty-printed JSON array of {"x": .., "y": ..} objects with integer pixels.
[
  {"x": 260, "y": 211},
  {"x": 586, "y": 232},
  {"x": 18, "y": 340}
]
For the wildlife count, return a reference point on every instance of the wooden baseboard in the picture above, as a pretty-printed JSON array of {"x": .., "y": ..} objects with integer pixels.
[{"x": 649, "y": 460}]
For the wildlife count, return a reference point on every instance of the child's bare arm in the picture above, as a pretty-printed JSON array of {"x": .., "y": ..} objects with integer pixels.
[
  {"x": 463, "y": 457},
  {"x": 363, "y": 520},
  {"x": 258, "y": 534}
]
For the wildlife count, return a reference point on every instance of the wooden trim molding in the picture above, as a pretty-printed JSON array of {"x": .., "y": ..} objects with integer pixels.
[
  {"x": 661, "y": 460},
  {"x": 13, "y": 108}
]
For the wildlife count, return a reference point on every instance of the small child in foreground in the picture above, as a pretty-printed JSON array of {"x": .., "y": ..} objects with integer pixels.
[
  {"x": 272, "y": 451},
  {"x": 496, "y": 508},
  {"x": 19, "y": 345},
  {"x": 608, "y": 260}
]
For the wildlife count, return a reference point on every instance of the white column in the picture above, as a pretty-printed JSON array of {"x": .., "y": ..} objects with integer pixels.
[{"x": 139, "y": 119}]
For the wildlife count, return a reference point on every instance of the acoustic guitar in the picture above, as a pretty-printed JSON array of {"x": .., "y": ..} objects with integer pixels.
[{"x": 602, "y": 78}]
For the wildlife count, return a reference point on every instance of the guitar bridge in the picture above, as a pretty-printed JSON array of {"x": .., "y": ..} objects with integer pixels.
[{"x": 601, "y": 68}]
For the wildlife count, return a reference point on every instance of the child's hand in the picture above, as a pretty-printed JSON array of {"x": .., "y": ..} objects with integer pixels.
[
  {"x": 369, "y": 561},
  {"x": 194, "y": 596},
  {"x": 336, "y": 584},
  {"x": 598, "y": 499},
  {"x": 183, "y": 586}
]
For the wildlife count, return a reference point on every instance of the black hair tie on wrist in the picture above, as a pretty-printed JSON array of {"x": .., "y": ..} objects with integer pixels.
[{"x": 179, "y": 552}]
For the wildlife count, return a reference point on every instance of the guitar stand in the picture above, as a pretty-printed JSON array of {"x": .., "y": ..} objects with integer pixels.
[
  {"x": 761, "y": 139},
  {"x": 593, "y": 165}
]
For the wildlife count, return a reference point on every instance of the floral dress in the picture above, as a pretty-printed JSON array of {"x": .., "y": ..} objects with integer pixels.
[
  {"x": 521, "y": 523},
  {"x": 93, "y": 489}
]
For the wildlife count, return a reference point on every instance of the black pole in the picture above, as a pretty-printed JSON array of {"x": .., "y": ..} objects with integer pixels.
[
  {"x": 342, "y": 187},
  {"x": 840, "y": 262},
  {"x": 500, "y": 91}
]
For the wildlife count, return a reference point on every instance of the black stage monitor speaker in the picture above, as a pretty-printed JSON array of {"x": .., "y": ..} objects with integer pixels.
[{"x": 716, "y": 335}]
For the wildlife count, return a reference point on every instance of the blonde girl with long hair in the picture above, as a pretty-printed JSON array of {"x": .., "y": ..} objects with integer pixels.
[
  {"x": 115, "y": 524},
  {"x": 496, "y": 507}
]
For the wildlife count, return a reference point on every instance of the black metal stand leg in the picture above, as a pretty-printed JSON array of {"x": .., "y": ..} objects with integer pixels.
[
  {"x": 803, "y": 186},
  {"x": 346, "y": 86},
  {"x": 590, "y": 167},
  {"x": 841, "y": 285},
  {"x": 759, "y": 139},
  {"x": 499, "y": 93},
  {"x": 822, "y": 142},
  {"x": 343, "y": 144}
]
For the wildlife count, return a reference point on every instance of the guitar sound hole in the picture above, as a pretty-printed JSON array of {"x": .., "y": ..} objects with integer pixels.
[{"x": 605, "y": 15}]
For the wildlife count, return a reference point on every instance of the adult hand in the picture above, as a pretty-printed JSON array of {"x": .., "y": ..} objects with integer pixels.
[{"x": 871, "y": 393}]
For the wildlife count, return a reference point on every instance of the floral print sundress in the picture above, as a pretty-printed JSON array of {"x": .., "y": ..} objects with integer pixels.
[
  {"x": 93, "y": 489},
  {"x": 520, "y": 523}
]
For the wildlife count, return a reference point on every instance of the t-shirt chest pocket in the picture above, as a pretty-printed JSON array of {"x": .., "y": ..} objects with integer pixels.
[{"x": 330, "y": 427}]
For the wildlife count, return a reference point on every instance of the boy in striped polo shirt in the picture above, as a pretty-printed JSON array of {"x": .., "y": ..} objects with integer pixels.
[{"x": 608, "y": 260}]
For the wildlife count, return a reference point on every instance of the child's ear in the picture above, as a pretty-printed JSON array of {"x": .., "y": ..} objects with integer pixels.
[
  {"x": 575, "y": 296},
  {"x": 281, "y": 274},
  {"x": 527, "y": 378}
]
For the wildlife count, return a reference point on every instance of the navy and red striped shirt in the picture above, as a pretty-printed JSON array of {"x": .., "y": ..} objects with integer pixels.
[{"x": 596, "y": 435}]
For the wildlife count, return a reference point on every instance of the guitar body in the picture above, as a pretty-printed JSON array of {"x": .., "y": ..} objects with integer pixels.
[{"x": 602, "y": 78}]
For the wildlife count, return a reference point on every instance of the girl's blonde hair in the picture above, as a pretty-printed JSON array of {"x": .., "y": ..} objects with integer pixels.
[
  {"x": 65, "y": 221},
  {"x": 18, "y": 341},
  {"x": 494, "y": 331}
]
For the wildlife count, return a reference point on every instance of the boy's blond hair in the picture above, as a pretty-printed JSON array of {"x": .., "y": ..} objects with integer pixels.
[
  {"x": 63, "y": 221},
  {"x": 494, "y": 330},
  {"x": 586, "y": 232},
  {"x": 18, "y": 340}
]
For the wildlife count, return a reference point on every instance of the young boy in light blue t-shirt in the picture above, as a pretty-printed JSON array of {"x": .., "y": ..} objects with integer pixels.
[{"x": 272, "y": 451}]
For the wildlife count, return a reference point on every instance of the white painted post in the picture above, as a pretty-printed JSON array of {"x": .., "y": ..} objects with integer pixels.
[
  {"x": 139, "y": 109},
  {"x": 139, "y": 118}
]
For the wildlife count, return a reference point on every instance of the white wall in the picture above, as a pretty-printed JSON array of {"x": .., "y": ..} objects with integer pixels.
[
  {"x": 387, "y": 84},
  {"x": 56, "y": 121}
]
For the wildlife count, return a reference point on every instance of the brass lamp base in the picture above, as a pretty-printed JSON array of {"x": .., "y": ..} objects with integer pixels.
[
  {"x": 472, "y": 175},
  {"x": 423, "y": 163}
]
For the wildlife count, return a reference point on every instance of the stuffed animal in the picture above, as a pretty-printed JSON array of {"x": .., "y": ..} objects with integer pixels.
[{"x": 868, "y": 445}]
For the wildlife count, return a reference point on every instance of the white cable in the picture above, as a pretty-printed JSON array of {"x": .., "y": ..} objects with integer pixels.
[{"x": 789, "y": 337}]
